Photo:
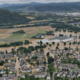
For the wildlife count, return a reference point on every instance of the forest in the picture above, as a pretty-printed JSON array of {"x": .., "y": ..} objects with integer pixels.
[{"x": 9, "y": 18}]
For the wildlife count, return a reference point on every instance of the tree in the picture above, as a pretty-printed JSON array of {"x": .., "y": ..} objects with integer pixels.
[
  {"x": 57, "y": 47},
  {"x": 37, "y": 78},
  {"x": 13, "y": 51},
  {"x": 37, "y": 62},
  {"x": 51, "y": 69},
  {"x": 6, "y": 52},
  {"x": 34, "y": 57},
  {"x": 53, "y": 43},
  {"x": 50, "y": 60},
  {"x": 66, "y": 48},
  {"x": 1, "y": 63},
  {"x": 70, "y": 35},
  {"x": 70, "y": 43},
  {"x": 67, "y": 54},
  {"x": 7, "y": 71},
  {"x": 50, "y": 45},
  {"x": 41, "y": 50},
  {"x": 64, "y": 43},
  {"x": 41, "y": 42},
  {"x": 32, "y": 77},
  {"x": 22, "y": 79},
  {"x": 26, "y": 42},
  {"x": 47, "y": 43},
  {"x": 44, "y": 62},
  {"x": 47, "y": 54}
]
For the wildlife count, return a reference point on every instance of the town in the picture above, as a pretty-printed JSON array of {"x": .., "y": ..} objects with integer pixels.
[
  {"x": 53, "y": 57},
  {"x": 39, "y": 41}
]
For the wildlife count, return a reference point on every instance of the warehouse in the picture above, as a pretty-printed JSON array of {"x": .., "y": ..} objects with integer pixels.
[{"x": 58, "y": 39}]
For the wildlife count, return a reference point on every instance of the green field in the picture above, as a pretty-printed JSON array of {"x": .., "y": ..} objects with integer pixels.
[
  {"x": 18, "y": 37},
  {"x": 41, "y": 31}
]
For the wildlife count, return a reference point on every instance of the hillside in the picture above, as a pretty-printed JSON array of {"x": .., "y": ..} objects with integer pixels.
[
  {"x": 54, "y": 7},
  {"x": 8, "y": 18}
]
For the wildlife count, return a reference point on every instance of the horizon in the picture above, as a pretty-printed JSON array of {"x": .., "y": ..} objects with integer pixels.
[{"x": 36, "y": 1}]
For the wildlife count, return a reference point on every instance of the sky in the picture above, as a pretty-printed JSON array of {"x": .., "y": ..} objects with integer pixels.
[{"x": 29, "y": 1}]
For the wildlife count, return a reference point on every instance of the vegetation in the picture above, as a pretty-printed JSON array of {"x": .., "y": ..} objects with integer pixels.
[
  {"x": 18, "y": 43},
  {"x": 50, "y": 60},
  {"x": 49, "y": 33},
  {"x": 1, "y": 63},
  {"x": 8, "y": 18},
  {"x": 66, "y": 26},
  {"x": 19, "y": 32},
  {"x": 51, "y": 68}
]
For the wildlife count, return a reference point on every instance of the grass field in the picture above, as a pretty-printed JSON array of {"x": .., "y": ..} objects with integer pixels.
[
  {"x": 6, "y": 35},
  {"x": 41, "y": 31},
  {"x": 18, "y": 37}
]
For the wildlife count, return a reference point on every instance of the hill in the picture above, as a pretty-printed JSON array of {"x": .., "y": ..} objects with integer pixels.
[
  {"x": 9, "y": 18},
  {"x": 55, "y": 7}
]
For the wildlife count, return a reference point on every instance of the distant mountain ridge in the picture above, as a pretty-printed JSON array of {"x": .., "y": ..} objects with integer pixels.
[
  {"x": 10, "y": 5},
  {"x": 41, "y": 7}
]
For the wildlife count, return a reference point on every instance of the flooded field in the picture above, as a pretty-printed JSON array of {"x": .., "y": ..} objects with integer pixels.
[{"x": 61, "y": 44}]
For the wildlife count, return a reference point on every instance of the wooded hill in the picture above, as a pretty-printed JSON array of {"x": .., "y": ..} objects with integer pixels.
[{"x": 8, "y": 18}]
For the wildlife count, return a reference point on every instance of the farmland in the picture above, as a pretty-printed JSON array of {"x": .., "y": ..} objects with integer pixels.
[{"x": 6, "y": 35}]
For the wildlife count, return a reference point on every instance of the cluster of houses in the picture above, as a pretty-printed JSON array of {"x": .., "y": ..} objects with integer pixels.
[
  {"x": 10, "y": 77},
  {"x": 66, "y": 69},
  {"x": 41, "y": 69},
  {"x": 9, "y": 63},
  {"x": 68, "y": 74}
]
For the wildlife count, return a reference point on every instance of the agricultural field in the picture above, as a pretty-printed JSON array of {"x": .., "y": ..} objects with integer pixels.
[{"x": 6, "y": 35}]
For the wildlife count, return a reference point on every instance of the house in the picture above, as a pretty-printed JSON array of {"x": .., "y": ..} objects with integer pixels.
[
  {"x": 10, "y": 71},
  {"x": 64, "y": 67},
  {"x": 15, "y": 55},
  {"x": 73, "y": 75},
  {"x": 1, "y": 56},
  {"x": 78, "y": 74},
  {"x": 29, "y": 55},
  {"x": 73, "y": 66},
  {"x": 63, "y": 75},
  {"x": 9, "y": 60},
  {"x": 26, "y": 70},
  {"x": 48, "y": 76},
  {"x": 58, "y": 74},
  {"x": 22, "y": 75},
  {"x": 68, "y": 74},
  {"x": 23, "y": 63},
  {"x": 3, "y": 78},
  {"x": 20, "y": 58},
  {"x": 39, "y": 75},
  {"x": 40, "y": 60},
  {"x": 40, "y": 36},
  {"x": 9, "y": 64},
  {"x": 4, "y": 75},
  {"x": 2, "y": 71},
  {"x": 41, "y": 55},
  {"x": 8, "y": 55},
  {"x": 38, "y": 68},
  {"x": 12, "y": 78}
]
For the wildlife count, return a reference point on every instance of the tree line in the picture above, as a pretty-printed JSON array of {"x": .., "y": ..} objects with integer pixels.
[
  {"x": 66, "y": 26},
  {"x": 18, "y": 43}
]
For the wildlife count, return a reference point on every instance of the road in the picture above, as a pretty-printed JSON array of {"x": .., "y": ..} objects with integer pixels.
[{"x": 17, "y": 65}]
